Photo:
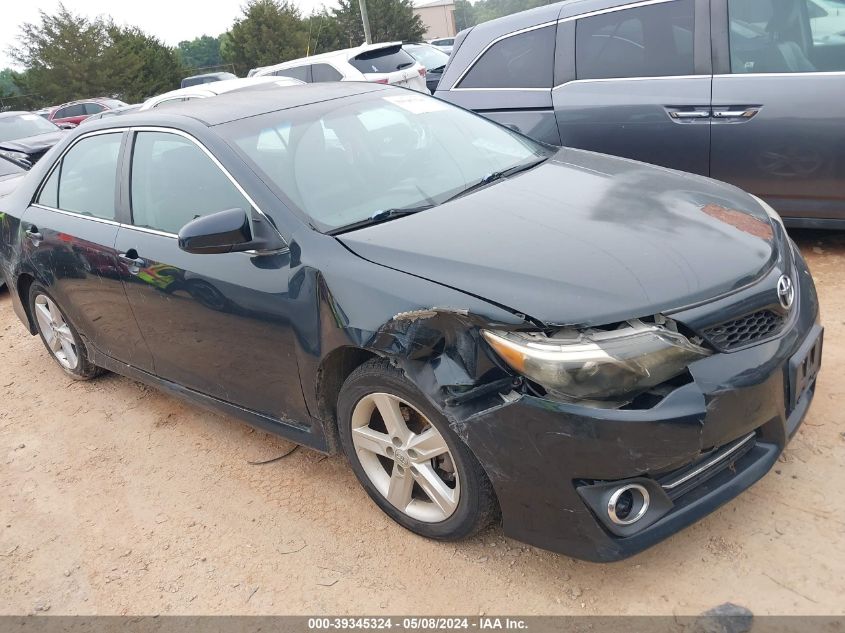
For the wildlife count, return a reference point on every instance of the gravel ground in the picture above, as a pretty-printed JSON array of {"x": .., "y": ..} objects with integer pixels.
[{"x": 117, "y": 499}]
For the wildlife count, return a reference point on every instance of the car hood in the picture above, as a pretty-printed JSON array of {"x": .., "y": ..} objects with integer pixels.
[
  {"x": 584, "y": 239},
  {"x": 33, "y": 144},
  {"x": 9, "y": 183}
]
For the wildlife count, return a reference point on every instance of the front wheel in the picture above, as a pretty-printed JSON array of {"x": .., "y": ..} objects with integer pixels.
[
  {"x": 408, "y": 459},
  {"x": 59, "y": 336}
]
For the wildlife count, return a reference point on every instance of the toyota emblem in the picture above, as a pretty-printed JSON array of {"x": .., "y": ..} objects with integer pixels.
[{"x": 786, "y": 292}]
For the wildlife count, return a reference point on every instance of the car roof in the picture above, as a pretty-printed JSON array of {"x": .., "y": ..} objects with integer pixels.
[
  {"x": 219, "y": 87},
  {"x": 11, "y": 113},
  {"x": 245, "y": 103}
]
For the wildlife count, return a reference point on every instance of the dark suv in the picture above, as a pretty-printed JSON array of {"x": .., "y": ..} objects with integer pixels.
[{"x": 745, "y": 91}]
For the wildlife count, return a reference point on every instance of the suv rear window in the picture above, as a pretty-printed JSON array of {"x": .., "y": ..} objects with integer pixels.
[{"x": 382, "y": 60}]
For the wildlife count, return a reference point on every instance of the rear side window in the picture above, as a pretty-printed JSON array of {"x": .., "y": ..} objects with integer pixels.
[
  {"x": 324, "y": 72},
  {"x": 525, "y": 60},
  {"x": 93, "y": 108},
  {"x": 383, "y": 60},
  {"x": 296, "y": 72},
  {"x": 787, "y": 36},
  {"x": 173, "y": 181},
  {"x": 651, "y": 41},
  {"x": 84, "y": 180},
  {"x": 71, "y": 110}
]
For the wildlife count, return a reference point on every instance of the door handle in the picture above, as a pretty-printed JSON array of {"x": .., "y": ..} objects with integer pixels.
[
  {"x": 134, "y": 263},
  {"x": 689, "y": 114},
  {"x": 33, "y": 234},
  {"x": 736, "y": 114}
]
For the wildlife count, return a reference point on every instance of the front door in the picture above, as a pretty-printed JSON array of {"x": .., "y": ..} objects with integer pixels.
[
  {"x": 635, "y": 82},
  {"x": 779, "y": 120},
  {"x": 216, "y": 323},
  {"x": 70, "y": 234}
]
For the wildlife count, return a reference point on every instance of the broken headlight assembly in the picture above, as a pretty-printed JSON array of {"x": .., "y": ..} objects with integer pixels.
[{"x": 603, "y": 366}]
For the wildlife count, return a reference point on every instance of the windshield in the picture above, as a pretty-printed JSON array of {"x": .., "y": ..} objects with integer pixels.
[
  {"x": 24, "y": 125},
  {"x": 428, "y": 56},
  {"x": 8, "y": 168},
  {"x": 345, "y": 160}
]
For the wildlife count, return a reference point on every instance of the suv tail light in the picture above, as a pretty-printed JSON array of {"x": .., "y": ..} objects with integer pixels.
[
  {"x": 422, "y": 72},
  {"x": 380, "y": 81}
]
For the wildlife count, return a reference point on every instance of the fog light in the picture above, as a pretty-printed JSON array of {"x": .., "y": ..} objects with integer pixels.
[{"x": 628, "y": 504}]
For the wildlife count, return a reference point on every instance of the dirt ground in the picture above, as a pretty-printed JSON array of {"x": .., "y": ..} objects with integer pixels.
[{"x": 117, "y": 499}]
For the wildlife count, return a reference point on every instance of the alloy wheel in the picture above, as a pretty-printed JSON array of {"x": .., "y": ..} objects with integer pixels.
[
  {"x": 405, "y": 457},
  {"x": 56, "y": 332}
]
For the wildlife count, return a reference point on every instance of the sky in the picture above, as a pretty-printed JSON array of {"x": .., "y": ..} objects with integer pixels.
[{"x": 170, "y": 20}]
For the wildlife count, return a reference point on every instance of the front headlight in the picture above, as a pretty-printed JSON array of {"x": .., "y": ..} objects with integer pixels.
[{"x": 598, "y": 365}]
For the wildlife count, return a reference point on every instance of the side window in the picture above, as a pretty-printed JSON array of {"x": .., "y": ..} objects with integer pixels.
[
  {"x": 93, "y": 108},
  {"x": 71, "y": 110},
  {"x": 650, "y": 41},
  {"x": 525, "y": 60},
  {"x": 297, "y": 72},
  {"x": 787, "y": 36},
  {"x": 173, "y": 181},
  {"x": 84, "y": 180},
  {"x": 324, "y": 72}
]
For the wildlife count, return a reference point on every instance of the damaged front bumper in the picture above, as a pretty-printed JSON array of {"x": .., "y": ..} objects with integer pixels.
[{"x": 554, "y": 465}]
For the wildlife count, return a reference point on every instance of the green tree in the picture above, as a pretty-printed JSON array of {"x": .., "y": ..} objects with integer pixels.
[
  {"x": 390, "y": 20},
  {"x": 138, "y": 65},
  {"x": 325, "y": 33},
  {"x": 61, "y": 55},
  {"x": 270, "y": 32},
  {"x": 68, "y": 57},
  {"x": 201, "y": 52},
  {"x": 7, "y": 83}
]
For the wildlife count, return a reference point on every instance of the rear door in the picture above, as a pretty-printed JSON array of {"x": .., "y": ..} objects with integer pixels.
[
  {"x": 511, "y": 82},
  {"x": 635, "y": 82},
  {"x": 778, "y": 95},
  {"x": 216, "y": 324},
  {"x": 70, "y": 236}
]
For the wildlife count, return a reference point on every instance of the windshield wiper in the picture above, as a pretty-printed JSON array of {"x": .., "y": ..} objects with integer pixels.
[
  {"x": 498, "y": 175},
  {"x": 380, "y": 216}
]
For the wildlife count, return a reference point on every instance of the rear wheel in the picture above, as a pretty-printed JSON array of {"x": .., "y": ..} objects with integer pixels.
[
  {"x": 59, "y": 336},
  {"x": 408, "y": 459}
]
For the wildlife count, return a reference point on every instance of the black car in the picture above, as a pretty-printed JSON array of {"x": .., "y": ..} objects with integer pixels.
[
  {"x": 432, "y": 58},
  {"x": 600, "y": 350},
  {"x": 25, "y": 137}
]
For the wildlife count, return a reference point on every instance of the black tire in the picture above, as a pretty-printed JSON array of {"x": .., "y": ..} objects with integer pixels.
[
  {"x": 84, "y": 369},
  {"x": 477, "y": 506}
]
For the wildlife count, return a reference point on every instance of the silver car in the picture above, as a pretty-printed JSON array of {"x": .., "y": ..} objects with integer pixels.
[{"x": 746, "y": 91}]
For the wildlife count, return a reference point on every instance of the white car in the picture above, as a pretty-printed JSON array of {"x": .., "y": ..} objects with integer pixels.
[
  {"x": 201, "y": 91},
  {"x": 379, "y": 63},
  {"x": 445, "y": 44}
]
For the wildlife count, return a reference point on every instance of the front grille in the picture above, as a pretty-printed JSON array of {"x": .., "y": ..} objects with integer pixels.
[{"x": 746, "y": 330}]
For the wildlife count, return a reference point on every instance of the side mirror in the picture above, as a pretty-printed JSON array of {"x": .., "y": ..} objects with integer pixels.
[{"x": 228, "y": 232}]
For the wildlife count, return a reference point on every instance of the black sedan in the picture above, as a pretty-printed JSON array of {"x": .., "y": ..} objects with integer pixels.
[
  {"x": 598, "y": 350},
  {"x": 25, "y": 137}
]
